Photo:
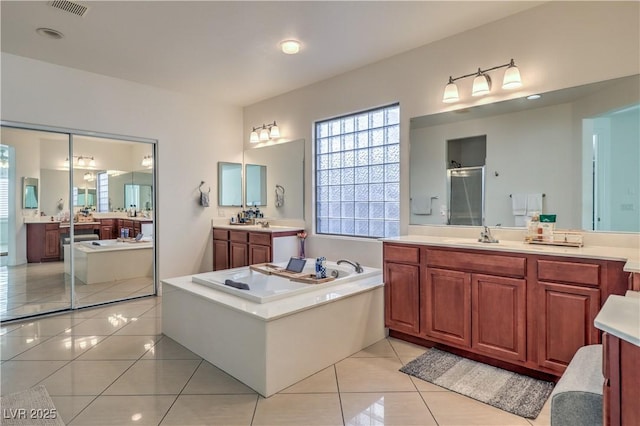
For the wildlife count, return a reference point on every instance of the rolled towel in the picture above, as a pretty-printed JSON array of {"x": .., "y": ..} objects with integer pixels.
[{"x": 237, "y": 284}]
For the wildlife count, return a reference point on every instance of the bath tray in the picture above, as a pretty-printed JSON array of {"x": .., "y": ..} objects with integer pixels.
[
  {"x": 310, "y": 279},
  {"x": 271, "y": 269}
]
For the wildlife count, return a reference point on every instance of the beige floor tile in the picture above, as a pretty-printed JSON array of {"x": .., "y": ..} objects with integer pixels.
[
  {"x": 544, "y": 418},
  {"x": 120, "y": 347},
  {"x": 406, "y": 349},
  {"x": 141, "y": 327},
  {"x": 299, "y": 409},
  {"x": 424, "y": 386},
  {"x": 208, "y": 379},
  {"x": 450, "y": 408},
  {"x": 100, "y": 326},
  {"x": 11, "y": 346},
  {"x": 46, "y": 326},
  {"x": 167, "y": 348},
  {"x": 8, "y": 328},
  {"x": 392, "y": 408},
  {"x": 122, "y": 310},
  {"x": 69, "y": 406},
  {"x": 381, "y": 349},
  {"x": 372, "y": 375},
  {"x": 323, "y": 381},
  {"x": 153, "y": 312},
  {"x": 121, "y": 410},
  {"x": 85, "y": 377},
  {"x": 20, "y": 375},
  {"x": 154, "y": 377},
  {"x": 224, "y": 410},
  {"x": 62, "y": 347}
]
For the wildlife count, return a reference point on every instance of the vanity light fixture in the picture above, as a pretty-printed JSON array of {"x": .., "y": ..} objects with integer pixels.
[
  {"x": 89, "y": 177},
  {"x": 147, "y": 161},
  {"x": 482, "y": 82},
  {"x": 81, "y": 161},
  {"x": 264, "y": 133}
]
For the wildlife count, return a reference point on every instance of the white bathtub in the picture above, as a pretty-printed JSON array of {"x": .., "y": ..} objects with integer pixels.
[
  {"x": 273, "y": 344},
  {"x": 267, "y": 288}
]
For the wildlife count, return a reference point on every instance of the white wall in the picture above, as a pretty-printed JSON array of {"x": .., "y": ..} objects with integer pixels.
[
  {"x": 192, "y": 134},
  {"x": 555, "y": 45}
]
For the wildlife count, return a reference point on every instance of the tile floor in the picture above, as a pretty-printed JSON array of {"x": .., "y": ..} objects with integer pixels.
[
  {"x": 34, "y": 288},
  {"x": 112, "y": 366}
]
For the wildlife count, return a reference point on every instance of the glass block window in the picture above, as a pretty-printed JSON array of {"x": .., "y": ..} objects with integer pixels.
[
  {"x": 358, "y": 174},
  {"x": 103, "y": 192}
]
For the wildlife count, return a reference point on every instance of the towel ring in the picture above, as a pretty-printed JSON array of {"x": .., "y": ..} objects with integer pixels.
[{"x": 200, "y": 187}]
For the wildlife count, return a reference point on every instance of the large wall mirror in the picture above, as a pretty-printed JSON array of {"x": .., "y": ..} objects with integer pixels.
[
  {"x": 576, "y": 148},
  {"x": 229, "y": 184},
  {"x": 61, "y": 229},
  {"x": 278, "y": 181}
]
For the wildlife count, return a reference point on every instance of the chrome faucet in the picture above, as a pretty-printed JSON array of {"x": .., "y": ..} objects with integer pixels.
[
  {"x": 486, "y": 237},
  {"x": 263, "y": 223},
  {"x": 356, "y": 265}
]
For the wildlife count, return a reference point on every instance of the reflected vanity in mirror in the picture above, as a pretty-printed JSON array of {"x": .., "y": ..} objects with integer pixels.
[
  {"x": 577, "y": 146},
  {"x": 281, "y": 171},
  {"x": 255, "y": 178},
  {"x": 229, "y": 184},
  {"x": 30, "y": 193}
]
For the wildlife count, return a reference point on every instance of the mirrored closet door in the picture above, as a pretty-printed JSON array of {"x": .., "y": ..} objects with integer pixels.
[{"x": 76, "y": 220}]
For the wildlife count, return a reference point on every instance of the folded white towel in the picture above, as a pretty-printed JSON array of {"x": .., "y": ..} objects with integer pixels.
[
  {"x": 534, "y": 203},
  {"x": 519, "y": 204},
  {"x": 421, "y": 205},
  {"x": 521, "y": 220}
]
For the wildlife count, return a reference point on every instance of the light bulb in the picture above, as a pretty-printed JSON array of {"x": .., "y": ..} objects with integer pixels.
[
  {"x": 481, "y": 85},
  {"x": 254, "y": 137},
  {"x": 274, "y": 133},
  {"x": 511, "y": 77},
  {"x": 80, "y": 161},
  {"x": 92, "y": 162},
  {"x": 290, "y": 47},
  {"x": 450, "y": 93},
  {"x": 264, "y": 134}
]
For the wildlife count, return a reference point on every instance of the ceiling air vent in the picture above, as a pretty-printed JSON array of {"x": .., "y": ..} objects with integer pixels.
[{"x": 69, "y": 6}]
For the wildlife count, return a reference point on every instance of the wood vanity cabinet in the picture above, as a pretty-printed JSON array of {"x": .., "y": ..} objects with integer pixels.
[
  {"x": 220, "y": 249},
  {"x": 259, "y": 247},
  {"x": 108, "y": 229},
  {"x": 402, "y": 288},
  {"x": 621, "y": 390},
  {"x": 238, "y": 249},
  {"x": 515, "y": 310},
  {"x": 464, "y": 306},
  {"x": 128, "y": 224},
  {"x": 43, "y": 242}
]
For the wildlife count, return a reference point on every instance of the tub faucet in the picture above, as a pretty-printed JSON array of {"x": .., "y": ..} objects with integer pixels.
[
  {"x": 486, "y": 237},
  {"x": 356, "y": 265}
]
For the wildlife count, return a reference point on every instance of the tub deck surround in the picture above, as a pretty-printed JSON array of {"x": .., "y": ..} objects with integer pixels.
[
  {"x": 273, "y": 345},
  {"x": 521, "y": 306}
]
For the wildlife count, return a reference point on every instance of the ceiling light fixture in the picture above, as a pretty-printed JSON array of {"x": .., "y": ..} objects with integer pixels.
[
  {"x": 50, "y": 33},
  {"x": 264, "y": 133},
  {"x": 482, "y": 82},
  {"x": 290, "y": 47}
]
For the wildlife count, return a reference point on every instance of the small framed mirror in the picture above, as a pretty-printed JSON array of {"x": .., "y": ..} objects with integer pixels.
[
  {"x": 30, "y": 193},
  {"x": 229, "y": 184},
  {"x": 255, "y": 185}
]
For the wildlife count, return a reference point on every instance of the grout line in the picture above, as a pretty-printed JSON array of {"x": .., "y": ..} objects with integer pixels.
[
  {"x": 181, "y": 390},
  {"x": 335, "y": 372}
]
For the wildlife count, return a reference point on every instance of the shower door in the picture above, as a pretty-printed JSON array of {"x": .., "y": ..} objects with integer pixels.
[{"x": 466, "y": 195}]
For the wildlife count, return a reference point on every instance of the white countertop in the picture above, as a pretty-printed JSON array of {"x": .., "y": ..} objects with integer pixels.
[
  {"x": 620, "y": 317},
  {"x": 626, "y": 254},
  {"x": 258, "y": 228},
  {"x": 277, "y": 308}
]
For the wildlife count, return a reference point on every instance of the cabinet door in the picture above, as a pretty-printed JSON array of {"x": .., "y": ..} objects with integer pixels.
[
  {"x": 106, "y": 232},
  {"x": 220, "y": 255},
  {"x": 52, "y": 243},
  {"x": 238, "y": 255},
  {"x": 498, "y": 316},
  {"x": 565, "y": 322},
  {"x": 402, "y": 297},
  {"x": 259, "y": 254},
  {"x": 446, "y": 307}
]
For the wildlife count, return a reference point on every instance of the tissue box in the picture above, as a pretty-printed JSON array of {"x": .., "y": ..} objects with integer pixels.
[{"x": 548, "y": 218}]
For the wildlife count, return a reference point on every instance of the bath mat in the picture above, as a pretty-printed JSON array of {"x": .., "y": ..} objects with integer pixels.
[
  {"x": 521, "y": 395},
  {"x": 32, "y": 407}
]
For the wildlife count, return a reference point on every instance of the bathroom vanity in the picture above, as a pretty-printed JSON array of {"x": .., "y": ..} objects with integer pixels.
[
  {"x": 512, "y": 304},
  {"x": 235, "y": 246}
]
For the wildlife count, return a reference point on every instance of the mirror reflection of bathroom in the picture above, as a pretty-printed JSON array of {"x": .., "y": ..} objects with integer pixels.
[
  {"x": 466, "y": 158},
  {"x": 229, "y": 184},
  {"x": 255, "y": 185},
  {"x": 30, "y": 190}
]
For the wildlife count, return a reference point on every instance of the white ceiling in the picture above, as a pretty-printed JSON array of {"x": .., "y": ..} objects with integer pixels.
[{"x": 229, "y": 51}]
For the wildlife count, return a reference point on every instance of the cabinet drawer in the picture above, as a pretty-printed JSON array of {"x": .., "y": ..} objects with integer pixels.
[
  {"x": 51, "y": 226},
  {"x": 261, "y": 238},
  {"x": 220, "y": 234},
  {"x": 482, "y": 263},
  {"x": 570, "y": 272},
  {"x": 401, "y": 253},
  {"x": 238, "y": 236}
]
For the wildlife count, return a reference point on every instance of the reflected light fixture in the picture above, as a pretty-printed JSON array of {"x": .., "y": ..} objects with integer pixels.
[
  {"x": 81, "y": 161},
  {"x": 482, "y": 82},
  {"x": 147, "y": 161},
  {"x": 264, "y": 133},
  {"x": 290, "y": 47}
]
